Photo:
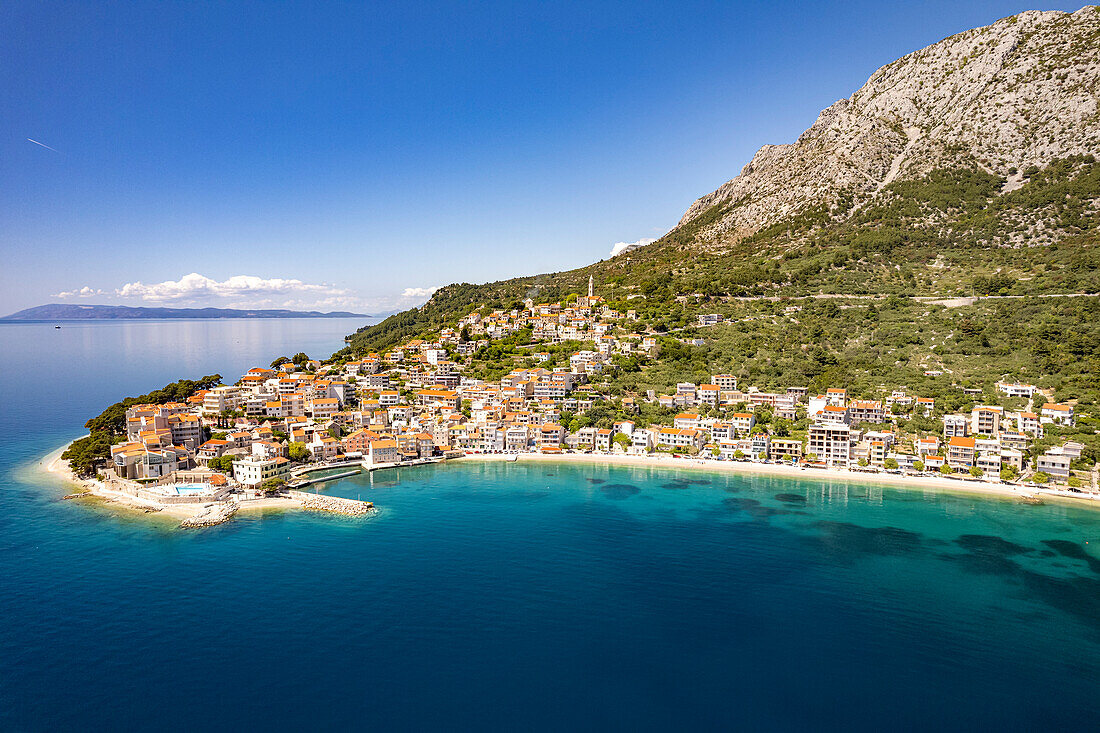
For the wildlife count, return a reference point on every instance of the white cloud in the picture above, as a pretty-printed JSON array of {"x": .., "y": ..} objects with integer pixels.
[
  {"x": 620, "y": 247},
  {"x": 196, "y": 287},
  {"x": 251, "y": 291},
  {"x": 84, "y": 292},
  {"x": 418, "y": 292}
]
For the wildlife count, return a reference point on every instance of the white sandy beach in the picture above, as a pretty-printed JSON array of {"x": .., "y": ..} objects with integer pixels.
[{"x": 975, "y": 486}]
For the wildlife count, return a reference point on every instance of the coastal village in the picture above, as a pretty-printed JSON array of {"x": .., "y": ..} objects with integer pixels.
[{"x": 279, "y": 428}]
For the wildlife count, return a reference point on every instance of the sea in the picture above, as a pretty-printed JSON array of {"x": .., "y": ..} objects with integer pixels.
[{"x": 493, "y": 596}]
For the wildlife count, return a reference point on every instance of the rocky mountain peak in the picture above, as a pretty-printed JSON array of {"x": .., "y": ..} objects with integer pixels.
[{"x": 1022, "y": 91}]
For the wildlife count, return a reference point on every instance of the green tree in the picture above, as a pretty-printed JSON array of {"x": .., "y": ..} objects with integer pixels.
[
  {"x": 918, "y": 465},
  {"x": 272, "y": 485},
  {"x": 1009, "y": 473},
  {"x": 890, "y": 464},
  {"x": 946, "y": 470},
  {"x": 863, "y": 462},
  {"x": 221, "y": 463},
  {"x": 1041, "y": 478},
  {"x": 281, "y": 360},
  {"x": 297, "y": 451},
  {"x": 975, "y": 471}
]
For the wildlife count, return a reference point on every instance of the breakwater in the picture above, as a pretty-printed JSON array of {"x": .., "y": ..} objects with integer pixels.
[
  {"x": 335, "y": 504},
  {"x": 212, "y": 515}
]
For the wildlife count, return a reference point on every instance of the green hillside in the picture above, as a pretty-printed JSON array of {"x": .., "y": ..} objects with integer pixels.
[{"x": 950, "y": 233}]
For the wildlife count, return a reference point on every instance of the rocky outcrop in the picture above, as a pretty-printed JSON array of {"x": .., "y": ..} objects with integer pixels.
[{"x": 1022, "y": 91}]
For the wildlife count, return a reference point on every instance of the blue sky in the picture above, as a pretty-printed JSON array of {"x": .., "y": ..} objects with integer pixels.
[{"x": 354, "y": 156}]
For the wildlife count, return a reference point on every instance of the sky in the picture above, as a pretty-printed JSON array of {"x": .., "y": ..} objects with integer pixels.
[{"x": 355, "y": 156}]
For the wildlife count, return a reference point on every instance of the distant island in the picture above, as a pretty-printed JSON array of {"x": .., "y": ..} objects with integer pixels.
[{"x": 69, "y": 312}]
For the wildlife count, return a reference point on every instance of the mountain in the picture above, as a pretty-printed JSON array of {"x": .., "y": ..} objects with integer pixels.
[
  {"x": 965, "y": 168},
  {"x": 1020, "y": 92},
  {"x": 68, "y": 312}
]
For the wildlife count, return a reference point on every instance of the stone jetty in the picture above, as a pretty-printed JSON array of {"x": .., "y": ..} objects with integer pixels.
[
  {"x": 212, "y": 514},
  {"x": 335, "y": 504}
]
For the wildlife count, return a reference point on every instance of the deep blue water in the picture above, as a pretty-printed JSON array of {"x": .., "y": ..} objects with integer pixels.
[{"x": 494, "y": 596}]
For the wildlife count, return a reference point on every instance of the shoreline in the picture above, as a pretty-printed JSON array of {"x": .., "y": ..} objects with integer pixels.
[
  {"x": 972, "y": 488},
  {"x": 53, "y": 466},
  {"x": 56, "y": 468}
]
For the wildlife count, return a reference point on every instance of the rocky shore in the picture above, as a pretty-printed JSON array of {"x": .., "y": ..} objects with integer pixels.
[{"x": 334, "y": 504}]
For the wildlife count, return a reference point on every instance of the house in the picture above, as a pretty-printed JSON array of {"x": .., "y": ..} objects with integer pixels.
[
  {"x": 934, "y": 463},
  {"x": 213, "y": 448},
  {"x": 551, "y": 434},
  {"x": 954, "y": 426},
  {"x": 641, "y": 441},
  {"x": 357, "y": 442},
  {"x": 960, "y": 452},
  {"x": 760, "y": 445},
  {"x": 1012, "y": 457},
  {"x": 926, "y": 446},
  {"x": 1015, "y": 389},
  {"x": 325, "y": 407},
  {"x": 680, "y": 438},
  {"x": 221, "y": 399},
  {"x": 783, "y": 447},
  {"x": 686, "y": 420},
  {"x": 985, "y": 420},
  {"x": 1057, "y": 413},
  {"x": 860, "y": 411},
  {"x": 382, "y": 450},
  {"x": 1055, "y": 463},
  {"x": 925, "y": 406},
  {"x": 323, "y": 447},
  {"x": 708, "y": 394},
  {"x": 725, "y": 381},
  {"x": 1029, "y": 422},
  {"x": 830, "y": 442},
  {"x": 254, "y": 470},
  {"x": 438, "y": 398},
  {"x": 990, "y": 463},
  {"x": 603, "y": 440},
  {"x": 742, "y": 422}
]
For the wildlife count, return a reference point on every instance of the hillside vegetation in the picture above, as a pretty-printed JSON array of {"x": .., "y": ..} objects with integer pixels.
[{"x": 949, "y": 233}]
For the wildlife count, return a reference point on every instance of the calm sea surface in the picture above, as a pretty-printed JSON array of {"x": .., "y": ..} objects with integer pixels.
[{"x": 489, "y": 596}]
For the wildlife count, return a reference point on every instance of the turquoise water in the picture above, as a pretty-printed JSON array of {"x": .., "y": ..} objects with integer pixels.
[{"x": 503, "y": 596}]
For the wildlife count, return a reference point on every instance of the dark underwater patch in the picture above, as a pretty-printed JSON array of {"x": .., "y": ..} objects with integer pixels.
[
  {"x": 1074, "y": 551},
  {"x": 753, "y": 508},
  {"x": 596, "y": 480},
  {"x": 849, "y": 538},
  {"x": 990, "y": 544},
  {"x": 791, "y": 499},
  {"x": 675, "y": 486},
  {"x": 619, "y": 491},
  {"x": 1076, "y": 595}
]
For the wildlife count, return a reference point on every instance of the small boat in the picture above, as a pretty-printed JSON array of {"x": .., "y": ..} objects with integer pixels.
[{"x": 57, "y": 326}]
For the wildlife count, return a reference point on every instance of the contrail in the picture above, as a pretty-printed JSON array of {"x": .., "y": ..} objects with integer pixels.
[{"x": 47, "y": 147}]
